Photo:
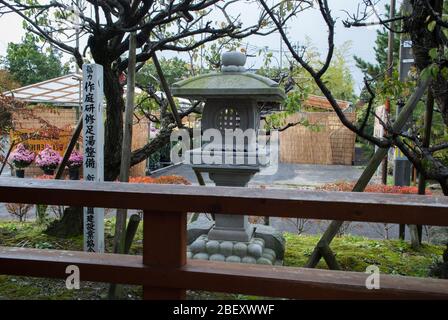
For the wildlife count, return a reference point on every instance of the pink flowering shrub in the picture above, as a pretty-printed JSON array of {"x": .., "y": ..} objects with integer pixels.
[
  {"x": 22, "y": 157},
  {"x": 153, "y": 132},
  {"x": 75, "y": 160},
  {"x": 48, "y": 159}
]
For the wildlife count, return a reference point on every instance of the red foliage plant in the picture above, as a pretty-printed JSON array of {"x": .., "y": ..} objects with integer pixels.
[
  {"x": 44, "y": 177},
  {"x": 161, "y": 180},
  {"x": 375, "y": 188}
]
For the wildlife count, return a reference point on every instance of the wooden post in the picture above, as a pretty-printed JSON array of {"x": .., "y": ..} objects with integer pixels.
[
  {"x": 120, "y": 225},
  {"x": 389, "y": 71},
  {"x": 165, "y": 247},
  {"x": 125, "y": 163}
]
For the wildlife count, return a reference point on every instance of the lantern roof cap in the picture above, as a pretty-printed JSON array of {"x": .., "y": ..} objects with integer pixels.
[{"x": 233, "y": 82}]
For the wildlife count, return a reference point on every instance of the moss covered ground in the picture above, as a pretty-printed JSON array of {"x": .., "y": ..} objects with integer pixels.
[{"x": 353, "y": 253}]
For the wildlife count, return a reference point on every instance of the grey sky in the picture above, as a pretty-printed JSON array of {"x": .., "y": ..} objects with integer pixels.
[{"x": 307, "y": 24}]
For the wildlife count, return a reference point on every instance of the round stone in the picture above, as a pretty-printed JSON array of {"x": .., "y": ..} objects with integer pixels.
[
  {"x": 249, "y": 260},
  {"x": 271, "y": 252},
  {"x": 226, "y": 248},
  {"x": 268, "y": 256},
  {"x": 189, "y": 255},
  {"x": 212, "y": 247},
  {"x": 260, "y": 241},
  {"x": 264, "y": 261},
  {"x": 198, "y": 246},
  {"x": 233, "y": 259},
  {"x": 217, "y": 257},
  {"x": 200, "y": 256},
  {"x": 255, "y": 250},
  {"x": 240, "y": 249}
]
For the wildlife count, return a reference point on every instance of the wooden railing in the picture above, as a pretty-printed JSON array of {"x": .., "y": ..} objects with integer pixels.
[{"x": 164, "y": 271}]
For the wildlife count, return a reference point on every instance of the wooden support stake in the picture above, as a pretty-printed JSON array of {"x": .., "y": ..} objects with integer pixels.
[
  {"x": 167, "y": 90},
  {"x": 421, "y": 179},
  {"x": 401, "y": 231},
  {"x": 115, "y": 290},
  {"x": 201, "y": 182},
  {"x": 69, "y": 149},
  {"x": 195, "y": 215},
  {"x": 329, "y": 256},
  {"x": 131, "y": 230},
  {"x": 199, "y": 177},
  {"x": 413, "y": 231},
  {"x": 7, "y": 156},
  {"x": 164, "y": 247}
]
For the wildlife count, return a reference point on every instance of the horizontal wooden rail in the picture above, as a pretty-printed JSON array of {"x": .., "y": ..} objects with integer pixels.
[
  {"x": 164, "y": 271},
  {"x": 300, "y": 283},
  {"x": 347, "y": 206}
]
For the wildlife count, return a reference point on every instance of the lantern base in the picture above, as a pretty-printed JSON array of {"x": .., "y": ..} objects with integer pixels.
[
  {"x": 272, "y": 238},
  {"x": 251, "y": 252}
]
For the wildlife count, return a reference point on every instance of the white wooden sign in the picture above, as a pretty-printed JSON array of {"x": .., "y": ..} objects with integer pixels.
[{"x": 93, "y": 144}]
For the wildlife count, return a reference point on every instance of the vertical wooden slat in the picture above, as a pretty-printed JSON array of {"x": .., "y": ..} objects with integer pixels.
[{"x": 164, "y": 246}]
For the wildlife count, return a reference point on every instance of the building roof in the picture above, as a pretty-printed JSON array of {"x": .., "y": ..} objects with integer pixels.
[
  {"x": 61, "y": 91},
  {"x": 322, "y": 102}
]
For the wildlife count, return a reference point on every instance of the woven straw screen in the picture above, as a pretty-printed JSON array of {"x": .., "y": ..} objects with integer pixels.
[{"x": 330, "y": 143}]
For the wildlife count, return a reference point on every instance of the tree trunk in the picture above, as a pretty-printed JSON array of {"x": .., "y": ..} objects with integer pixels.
[
  {"x": 70, "y": 225},
  {"x": 114, "y": 124},
  {"x": 422, "y": 41}
]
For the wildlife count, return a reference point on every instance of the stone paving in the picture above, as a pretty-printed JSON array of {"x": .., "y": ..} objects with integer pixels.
[{"x": 288, "y": 175}]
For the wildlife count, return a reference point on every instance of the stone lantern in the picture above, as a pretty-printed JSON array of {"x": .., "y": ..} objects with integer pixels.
[{"x": 231, "y": 105}]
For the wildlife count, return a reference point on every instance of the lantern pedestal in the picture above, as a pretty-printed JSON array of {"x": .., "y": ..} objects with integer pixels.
[
  {"x": 267, "y": 245},
  {"x": 232, "y": 238},
  {"x": 230, "y": 227}
]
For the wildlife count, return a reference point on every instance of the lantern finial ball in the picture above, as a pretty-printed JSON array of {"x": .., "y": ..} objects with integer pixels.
[{"x": 233, "y": 61}]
